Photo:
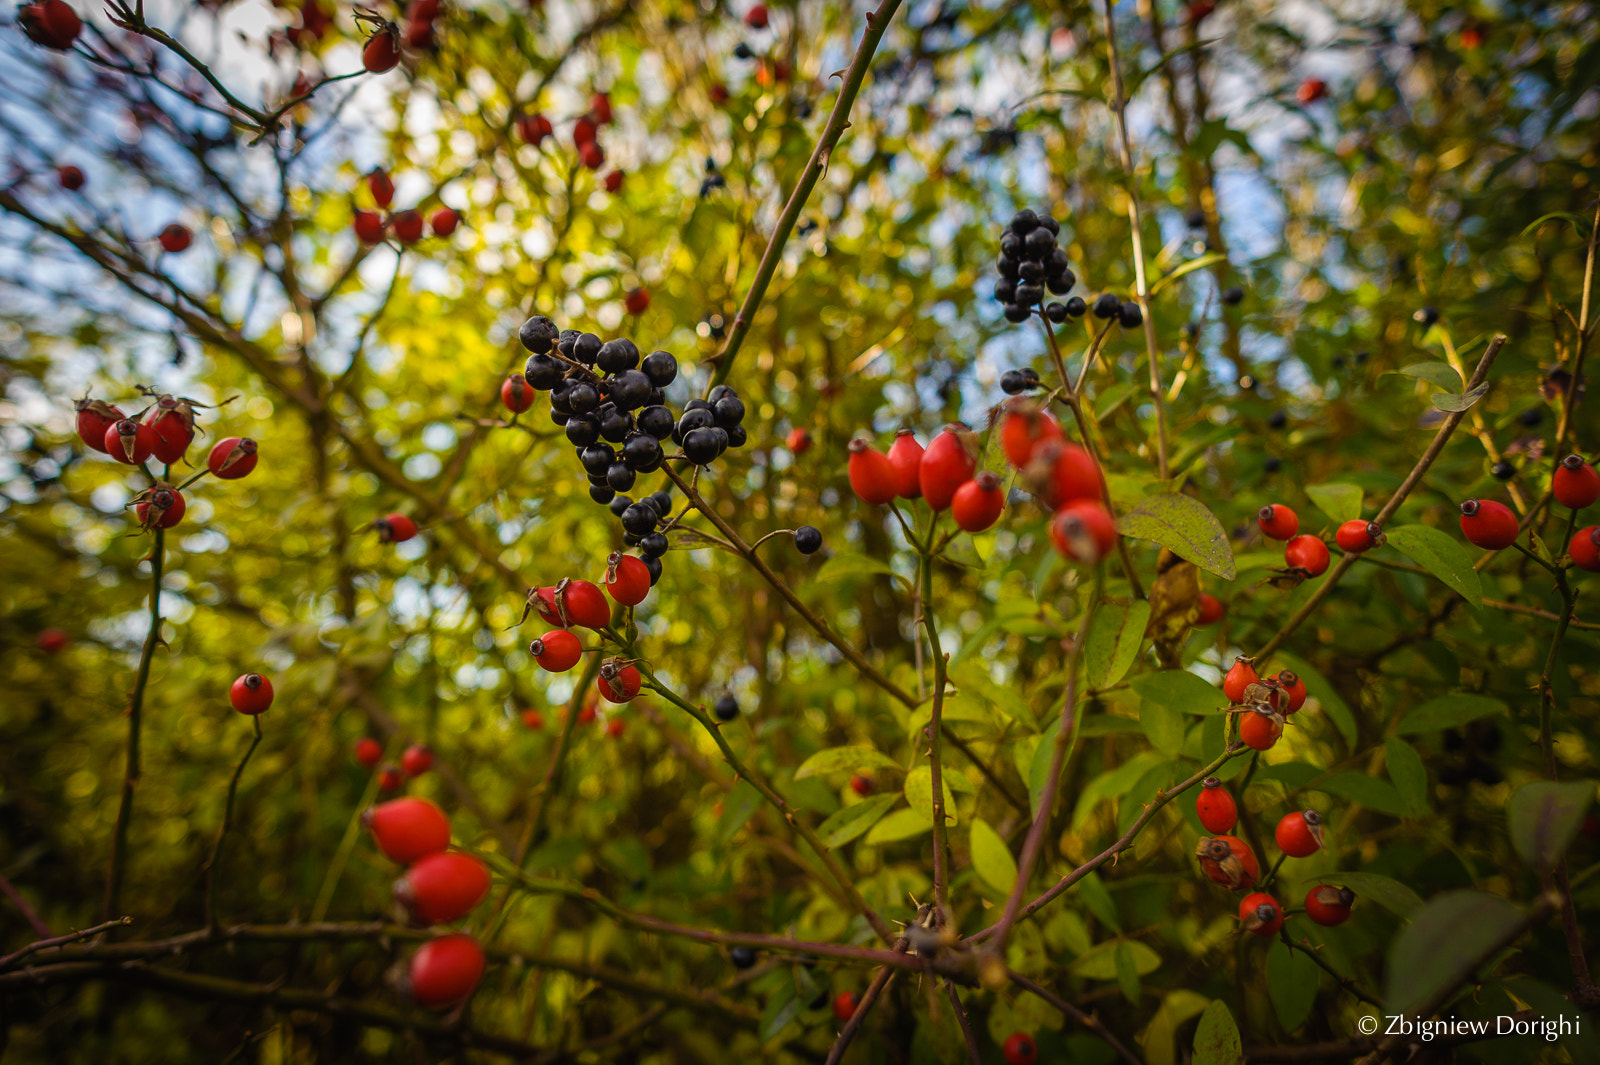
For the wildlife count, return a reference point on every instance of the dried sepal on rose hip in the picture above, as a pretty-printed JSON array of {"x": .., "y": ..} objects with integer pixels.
[
  {"x": 161, "y": 506},
  {"x": 232, "y": 458},
  {"x": 627, "y": 578},
  {"x": 619, "y": 680},
  {"x": 94, "y": 418},
  {"x": 1299, "y": 833},
  {"x": 251, "y": 694},
  {"x": 1329, "y": 905},
  {"x": 1228, "y": 860},
  {"x": 172, "y": 420},
  {"x": 1260, "y": 914}
]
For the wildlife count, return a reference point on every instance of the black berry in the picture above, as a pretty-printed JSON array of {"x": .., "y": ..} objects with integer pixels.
[
  {"x": 727, "y": 708},
  {"x": 807, "y": 540},
  {"x": 1107, "y": 306},
  {"x": 661, "y": 368},
  {"x": 538, "y": 334}
]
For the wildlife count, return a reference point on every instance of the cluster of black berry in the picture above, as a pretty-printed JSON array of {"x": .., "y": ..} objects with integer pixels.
[
  {"x": 1013, "y": 382},
  {"x": 1029, "y": 263}
]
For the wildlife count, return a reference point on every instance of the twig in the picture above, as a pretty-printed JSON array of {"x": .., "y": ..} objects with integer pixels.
[
  {"x": 29, "y": 914},
  {"x": 973, "y": 1052},
  {"x": 1346, "y": 982},
  {"x": 838, "y": 122},
  {"x": 1087, "y": 1020},
  {"x": 56, "y": 941},
  {"x": 869, "y": 998},
  {"x": 227, "y": 822}
]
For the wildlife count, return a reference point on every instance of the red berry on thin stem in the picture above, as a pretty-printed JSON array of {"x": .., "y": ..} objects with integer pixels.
[
  {"x": 381, "y": 53},
  {"x": 1487, "y": 524},
  {"x": 442, "y": 887},
  {"x": 1295, "y": 688},
  {"x": 1215, "y": 806},
  {"x": 1260, "y": 729},
  {"x": 556, "y": 651},
  {"x": 1228, "y": 860},
  {"x": 368, "y": 751},
  {"x": 232, "y": 458},
  {"x": 844, "y": 1005},
  {"x": 1083, "y": 531},
  {"x": 947, "y": 464},
  {"x": 627, "y": 578},
  {"x": 1584, "y": 549},
  {"x": 416, "y": 760},
  {"x": 978, "y": 503},
  {"x": 1328, "y": 905},
  {"x": 407, "y": 226},
  {"x": 395, "y": 528},
  {"x": 872, "y": 477},
  {"x": 251, "y": 694},
  {"x": 1278, "y": 521},
  {"x": 905, "y": 455},
  {"x": 1020, "y": 1049},
  {"x": 445, "y": 971},
  {"x": 1025, "y": 429},
  {"x": 1240, "y": 676},
  {"x": 1306, "y": 553},
  {"x": 370, "y": 226},
  {"x": 1356, "y": 536},
  {"x": 1261, "y": 914},
  {"x": 619, "y": 680},
  {"x": 176, "y": 238},
  {"x": 1576, "y": 483},
  {"x": 1211, "y": 610},
  {"x": 407, "y": 829},
  {"x": 95, "y": 418},
  {"x": 516, "y": 393},
  {"x": 1299, "y": 833}
]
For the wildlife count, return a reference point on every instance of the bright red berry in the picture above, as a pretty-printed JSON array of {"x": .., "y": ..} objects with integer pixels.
[
  {"x": 381, "y": 186},
  {"x": 1210, "y": 610},
  {"x": 584, "y": 131},
  {"x": 160, "y": 507},
  {"x": 370, "y": 226},
  {"x": 1329, "y": 905},
  {"x": 978, "y": 503},
  {"x": 232, "y": 458},
  {"x": 69, "y": 177},
  {"x": 619, "y": 680},
  {"x": 381, "y": 53},
  {"x": 1215, "y": 806},
  {"x": 416, "y": 760},
  {"x": 1024, "y": 430},
  {"x": 871, "y": 474},
  {"x": 1260, "y": 728},
  {"x": 516, "y": 393},
  {"x": 1487, "y": 524},
  {"x": 615, "y": 728},
  {"x": 1576, "y": 483},
  {"x": 1299, "y": 834},
  {"x": 1228, "y": 860},
  {"x": 587, "y": 714},
  {"x": 172, "y": 422},
  {"x": 369, "y": 752},
  {"x": 407, "y": 226},
  {"x": 1311, "y": 90},
  {"x": 1061, "y": 472},
  {"x": 637, "y": 300},
  {"x": 861, "y": 785},
  {"x": 1020, "y": 1049},
  {"x": 390, "y": 778},
  {"x": 798, "y": 442},
  {"x": 407, "y": 829},
  {"x": 53, "y": 641},
  {"x": 251, "y": 694},
  {"x": 1278, "y": 521},
  {"x": 947, "y": 464},
  {"x": 533, "y": 128},
  {"x": 1261, "y": 914},
  {"x": 1293, "y": 687},
  {"x": 1240, "y": 676},
  {"x": 95, "y": 417},
  {"x": 395, "y": 528},
  {"x": 130, "y": 442},
  {"x": 844, "y": 1005},
  {"x": 905, "y": 455},
  {"x": 592, "y": 155},
  {"x": 573, "y": 602},
  {"x": 443, "y": 221},
  {"x": 532, "y": 719},
  {"x": 445, "y": 971},
  {"x": 600, "y": 108},
  {"x": 1356, "y": 536},
  {"x": 176, "y": 238},
  {"x": 612, "y": 182},
  {"x": 627, "y": 578},
  {"x": 1083, "y": 531},
  {"x": 1306, "y": 553},
  {"x": 50, "y": 24},
  {"x": 442, "y": 887},
  {"x": 556, "y": 651},
  {"x": 756, "y": 17},
  {"x": 1584, "y": 549}
]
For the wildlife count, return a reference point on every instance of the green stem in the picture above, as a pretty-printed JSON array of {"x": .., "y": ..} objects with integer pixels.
[
  {"x": 941, "y": 667},
  {"x": 1344, "y": 981}
]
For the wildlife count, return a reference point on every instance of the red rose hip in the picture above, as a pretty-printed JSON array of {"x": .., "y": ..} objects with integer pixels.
[
  {"x": 1576, "y": 483},
  {"x": 251, "y": 694},
  {"x": 445, "y": 971},
  {"x": 978, "y": 503},
  {"x": 1299, "y": 834},
  {"x": 442, "y": 887},
  {"x": 1306, "y": 553},
  {"x": 1584, "y": 549},
  {"x": 872, "y": 476},
  {"x": 905, "y": 455},
  {"x": 1328, "y": 905},
  {"x": 947, "y": 464},
  {"x": 1278, "y": 522},
  {"x": 556, "y": 651},
  {"x": 407, "y": 829},
  {"x": 1487, "y": 524},
  {"x": 1215, "y": 807},
  {"x": 627, "y": 579},
  {"x": 1260, "y": 914},
  {"x": 232, "y": 458}
]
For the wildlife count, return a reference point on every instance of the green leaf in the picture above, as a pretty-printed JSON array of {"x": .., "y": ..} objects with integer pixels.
[
  {"x": 1187, "y": 268},
  {"x": 1216, "y": 1040},
  {"x": 1564, "y": 216},
  {"x": 1095, "y": 896},
  {"x": 840, "y": 567},
  {"x": 1101, "y": 962},
  {"x": 1115, "y": 634},
  {"x": 1179, "y": 690},
  {"x": 1392, "y": 895},
  {"x": 1159, "y": 1038},
  {"x": 1112, "y": 398},
  {"x": 737, "y": 808},
  {"x": 1449, "y": 711},
  {"x": 1112, "y": 784},
  {"x": 1319, "y": 688},
  {"x": 1185, "y": 525},
  {"x": 973, "y": 680},
  {"x": 1127, "y": 974},
  {"x": 1163, "y": 726},
  {"x": 991, "y": 858},
  {"x": 782, "y": 1008},
  {"x": 902, "y": 824},
  {"x": 844, "y": 759},
  {"x": 1368, "y": 791},
  {"x": 1410, "y": 776},
  {"x": 1439, "y": 373},
  {"x": 1544, "y": 816},
  {"x": 1292, "y": 981},
  {"x": 1456, "y": 402},
  {"x": 846, "y": 824},
  {"x": 1039, "y": 767},
  {"x": 1445, "y": 943},
  {"x": 1341, "y": 502},
  {"x": 919, "y": 794},
  {"x": 1441, "y": 555}
]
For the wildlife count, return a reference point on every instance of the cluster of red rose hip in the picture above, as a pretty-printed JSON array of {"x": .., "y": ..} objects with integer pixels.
[
  {"x": 416, "y": 760},
  {"x": 533, "y": 127},
  {"x": 371, "y": 226},
  {"x": 1061, "y": 475},
  {"x": 383, "y": 49},
  {"x": 164, "y": 431},
  {"x": 570, "y": 603},
  {"x": 1576, "y": 485}
]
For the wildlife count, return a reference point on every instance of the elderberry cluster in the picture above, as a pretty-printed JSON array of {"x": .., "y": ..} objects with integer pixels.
[{"x": 1029, "y": 263}]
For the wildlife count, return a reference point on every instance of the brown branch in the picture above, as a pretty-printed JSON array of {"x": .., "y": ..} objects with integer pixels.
[{"x": 1088, "y": 1020}]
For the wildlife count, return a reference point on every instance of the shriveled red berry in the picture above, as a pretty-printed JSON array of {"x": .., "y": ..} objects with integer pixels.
[
  {"x": 95, "y": 418},
  {"x": 1487, "y": 524},
  {"x": 407, "y": 226},
  {"x": 370, "y": 226},
  {"x": 637, "y": 300},
  {"x": 251, "y": 694},
  {"x": 1215, "y": 806},
  {"x": 619, "y": 680},
  {"x": 407, "y": 829},
  {"x": 844, "y": 1005},
  {"x": 160, "y": 506},
  {"x": 1576, "y": 483},
  {"x": 556, "y": 651},
  {"x": 627, "y": 578},
  {"x": 176, "y": 238},
  {"x": 1061, "y": 472},
  {"x": 871, "y": 475},
  {"x": 232, "y": 458},
  {"x": 1240, "y": 676},
  {"x": 905, "y": 455},
  {"x": 1356, "y": 536},
  {"x": 1083, "y": 531},
  {"x": 1306, "y": 553},
  {"x": 381, "y": 53},
  {"x": 1020, "y": 1049},
  {"x": 1228, "y": 860},
  {"x": 1329, "y": 905},
  {"x": 978, "y": 503},
  {"x": 416, "y": 760},
  {"x": 369, "y": 752},
  {"x": 1278, "y": 521},
  {"x": 442, "y": 887},
  {"x": 443, "y": 221},
  {"x": 947, "y": 464},
  {"x": 130, "y": 442},
  {"x": 395, "y": 528},
  {"x": 516, "y": 393},
  {"x": 573, "y": 602},
  {"x": 1025, "y": 429},
  {"x": 1210, "y": 610},
  {"x": 382, "y": 186},
  {"x": 1261, "y": 914},
  {"x": 1584, "y": 549},
  {"x": 1260, "y": 728},
  {"x": 445, "y": 971},
  {"x": 1299, "y": 833},
  {"x": 1294, "y": 687}
]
